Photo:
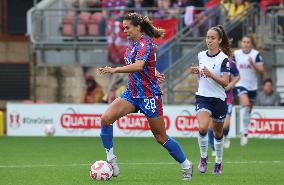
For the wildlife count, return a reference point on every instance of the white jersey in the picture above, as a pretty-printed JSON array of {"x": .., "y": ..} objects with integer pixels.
[
  {"x": 218, "y": 65},
  {"x": 248, "y": 75}
]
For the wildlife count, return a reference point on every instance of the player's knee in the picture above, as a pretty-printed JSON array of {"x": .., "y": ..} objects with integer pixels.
[
  {"x": 105, "y": 120},
  {"x": 203, "y": 129},
  {"x": 160, "y": 138},
  {"x": 218, "y": 135}
]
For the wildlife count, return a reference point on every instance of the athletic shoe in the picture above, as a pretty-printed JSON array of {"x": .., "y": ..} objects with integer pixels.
[
  {"x": 227, "y": 142},
  {"x": 213, "y": 154},
  {"x": 187, "y": 173},
  {"x": 202, "y": 166},
  {"x": 115, "y": 167},
  {"x": 244, "y": 140},
  {"x": 217, "y": 170}
]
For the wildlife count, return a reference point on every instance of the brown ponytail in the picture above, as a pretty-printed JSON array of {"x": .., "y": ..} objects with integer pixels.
[
  {"x": 146, "y": 25},
  {"x": 225, "y": 44}
]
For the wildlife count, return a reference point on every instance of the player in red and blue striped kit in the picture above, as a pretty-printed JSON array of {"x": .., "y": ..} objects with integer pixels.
[{"x": 143, "y": 92}]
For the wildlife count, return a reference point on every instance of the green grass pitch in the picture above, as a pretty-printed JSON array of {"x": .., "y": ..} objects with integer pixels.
[{"x": 66, "y": 161}]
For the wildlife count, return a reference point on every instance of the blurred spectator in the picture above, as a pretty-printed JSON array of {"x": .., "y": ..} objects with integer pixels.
[
  {"x": 88, "y": 4},
  {"x": 266, "y": 3},
  {"x": 268, "y": 97},
  {"x": 137, "y": 5},
  {"x": 110, "y": 12},
  {"x": 164, "y": 9},
  {"x": 236, "y": 8},
  {"x": 93, "y": 93},
  {"x": 113, "y": 4}
]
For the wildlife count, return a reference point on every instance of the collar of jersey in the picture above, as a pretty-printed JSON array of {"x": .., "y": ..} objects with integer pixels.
[{"x": 213, "y": 55}]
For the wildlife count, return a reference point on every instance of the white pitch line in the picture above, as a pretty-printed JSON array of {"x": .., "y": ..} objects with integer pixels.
[{"x": 161, "y": 163}]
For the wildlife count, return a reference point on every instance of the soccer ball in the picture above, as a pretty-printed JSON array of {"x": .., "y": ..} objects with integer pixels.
[
  {"x": 101, "y": 170},
  {"x": 49, "y": 130}
]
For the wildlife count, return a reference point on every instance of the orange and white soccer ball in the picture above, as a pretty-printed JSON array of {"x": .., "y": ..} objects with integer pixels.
[{"x": 101, "y": 170}]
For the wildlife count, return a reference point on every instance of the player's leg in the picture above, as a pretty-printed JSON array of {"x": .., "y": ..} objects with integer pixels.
[
  {"x": 226, "y": 127},
  {"x": 245, "y": 111},
  {"x": 118, "y": 108},
  {"x": 211, "y": 141},
  {"x": 218, "y": 116},
  {"x": 204, "y": 119},
  {"x": 157, "y": 126},
  {"x": 153, "y": 110},
  {"x": 218, "y": 145}
]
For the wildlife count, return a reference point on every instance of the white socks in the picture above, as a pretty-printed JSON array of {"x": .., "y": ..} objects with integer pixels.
[
  {"x": 219, "y": 145},
  {"x": 186, "y": 164},
  {"x": 246, "y": 119},
  {"x": 110, "y": 154},
  {"x": 203, "y": 145}
]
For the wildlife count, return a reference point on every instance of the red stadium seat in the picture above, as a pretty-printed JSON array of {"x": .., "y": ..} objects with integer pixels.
[
  {"x": 67, "y": 26},
  {"x": 84, "y": 20},
  {"x": 93, "y": 26},
  {"x": 68, "y": 18},
  {"x": 67, "y": 30}
]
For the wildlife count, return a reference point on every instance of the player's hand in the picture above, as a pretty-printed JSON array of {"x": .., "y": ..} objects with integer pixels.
[
  {"x": 206, "y": 72},
  {"x": 105, "y": 70},
  {"x": 194, "y": 69},
  {"x": 160, "y": 77},
  {"x": 250, "y": 61},
  {"x": 229, "y": 87}
]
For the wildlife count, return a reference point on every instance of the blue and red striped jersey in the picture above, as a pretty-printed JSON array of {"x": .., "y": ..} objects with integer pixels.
[{"x": 142, "y": 84}]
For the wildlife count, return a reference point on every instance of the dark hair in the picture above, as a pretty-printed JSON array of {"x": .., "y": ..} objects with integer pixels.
[
  {"x": 146, "y": 25},
  {"x": 225, "y": 44},
  {"x": 251, "y": 39},
  {"x": 267, "y": 80}
]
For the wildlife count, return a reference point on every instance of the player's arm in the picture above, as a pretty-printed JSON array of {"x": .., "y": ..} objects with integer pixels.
[
  {"x": 236, "y": 75},
  {"x": 224, "y": 78},
  {"x": 258, "y": 64},
  {"x": 136, "y": 66},
  {"x": 233, "y": 82}
]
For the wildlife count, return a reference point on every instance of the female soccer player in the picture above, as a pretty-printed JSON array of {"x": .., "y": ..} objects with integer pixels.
[
  {"x": 234, "y": 73},
  {"x": 213, "y": 72},
  {"x": 143, "y": 92},
  {"x": 249, "y": 63}
]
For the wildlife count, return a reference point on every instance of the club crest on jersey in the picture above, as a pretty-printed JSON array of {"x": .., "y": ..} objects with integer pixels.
[
  {"x": 142, "y": 44},
  {"x": 228, "y": 66}
]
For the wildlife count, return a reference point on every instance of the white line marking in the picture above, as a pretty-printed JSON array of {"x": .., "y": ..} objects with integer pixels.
[{"x": 161, "y": 163}]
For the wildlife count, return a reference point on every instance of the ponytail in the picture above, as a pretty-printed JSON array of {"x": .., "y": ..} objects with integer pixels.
[
  {"x": 225, "y": 45},
  {"x": 148, "y": 28},
  {"x": 146, "y": 25}
]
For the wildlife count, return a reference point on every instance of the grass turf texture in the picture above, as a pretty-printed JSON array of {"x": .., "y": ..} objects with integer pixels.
[{"x": 65, "y": 161}]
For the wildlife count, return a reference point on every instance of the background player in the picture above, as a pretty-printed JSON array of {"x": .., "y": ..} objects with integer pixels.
[{"x": 249, "y": 63}]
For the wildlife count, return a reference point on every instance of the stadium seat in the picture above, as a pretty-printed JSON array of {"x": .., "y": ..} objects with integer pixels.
[
  {"x": 67, "y": 26},
  {"x": 84, "y": 20},
  {"x": 93, "y": 26}
]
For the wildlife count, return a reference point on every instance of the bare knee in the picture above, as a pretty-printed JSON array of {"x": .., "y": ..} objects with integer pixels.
[
  {"x": 106, "y": 120},
  {"x": 218, "y": 134},
  {"x": 203, "y": 130},
  {"x": 161, "y": 138}
]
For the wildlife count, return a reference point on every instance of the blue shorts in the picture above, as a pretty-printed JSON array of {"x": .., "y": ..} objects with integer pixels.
[
  {"x": 251, "y": 94},
  {"x": 229, "y": 109},
  {"x": 215, "y": 106},
  {"x": 151, "y": 107}
]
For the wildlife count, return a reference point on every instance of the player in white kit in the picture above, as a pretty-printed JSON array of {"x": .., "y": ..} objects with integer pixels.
[
  {"x": 213, "y": 72},
  {"x": 249, "y": 63}
]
